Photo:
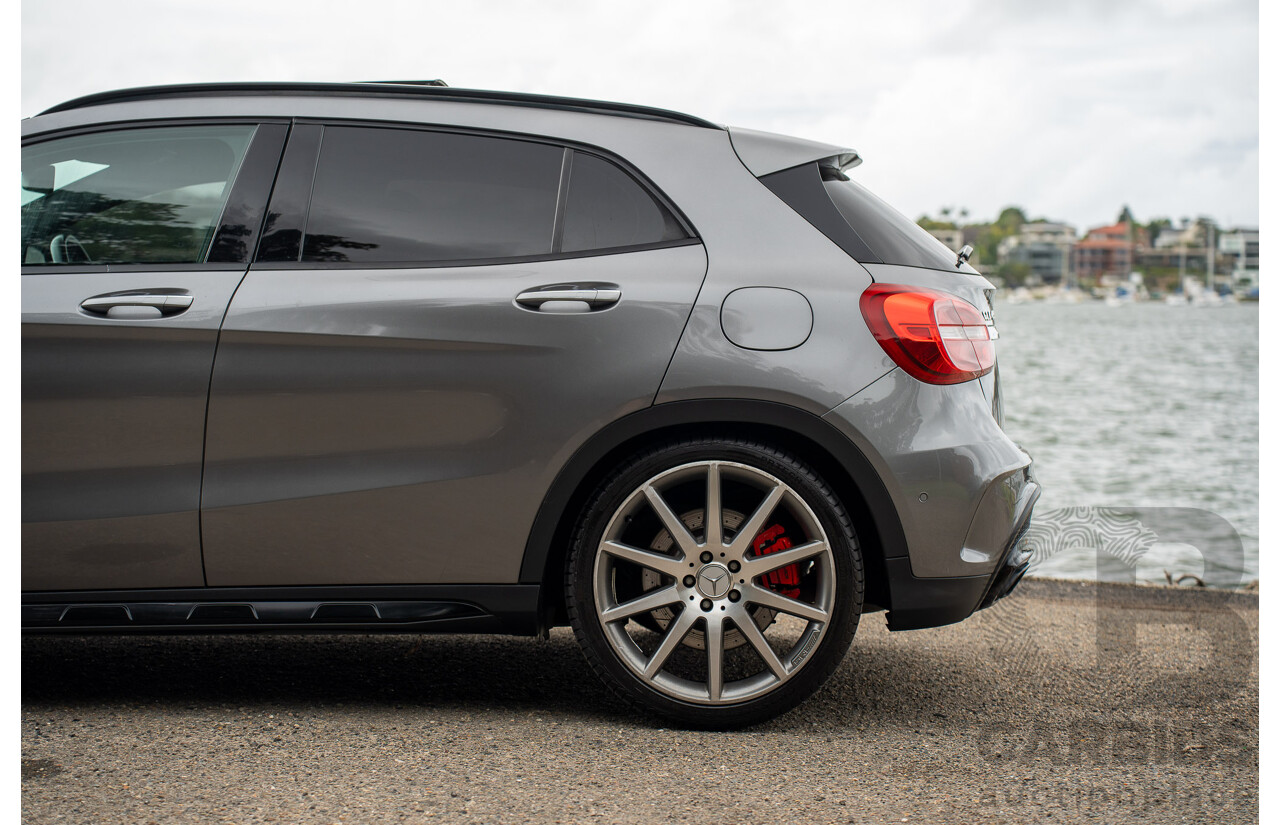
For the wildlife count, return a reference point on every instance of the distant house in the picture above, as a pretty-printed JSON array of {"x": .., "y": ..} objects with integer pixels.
[
  {"x": 1044, "y": 247},
  {"x": 1240, "y": 247},
  {"x": 1189, "y": 258},
  {"x": 1188, "y": 236},
  {"x": 1109, "y": 251},
  {"x": 953, "y": 238},
  {"x": 1185, "y": 248}
]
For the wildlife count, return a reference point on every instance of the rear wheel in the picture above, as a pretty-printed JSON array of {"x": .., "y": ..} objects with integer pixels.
[{"x": 714, "y": 582}]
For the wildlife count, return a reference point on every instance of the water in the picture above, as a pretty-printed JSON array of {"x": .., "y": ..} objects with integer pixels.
[{"x": 1141, "y": 405}]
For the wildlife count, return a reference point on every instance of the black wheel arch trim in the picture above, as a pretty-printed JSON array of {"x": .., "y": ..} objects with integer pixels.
[{"x": 815, "y": 440}]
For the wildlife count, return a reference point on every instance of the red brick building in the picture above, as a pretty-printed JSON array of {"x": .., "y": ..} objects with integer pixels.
[{"x": 1108, "y": 250}]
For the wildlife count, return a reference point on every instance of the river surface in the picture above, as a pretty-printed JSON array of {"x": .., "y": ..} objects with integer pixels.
[{"x": 1143, "y": 405}]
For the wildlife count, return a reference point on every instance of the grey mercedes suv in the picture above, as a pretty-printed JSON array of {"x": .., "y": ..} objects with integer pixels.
[{"x": 405, "y": 357}]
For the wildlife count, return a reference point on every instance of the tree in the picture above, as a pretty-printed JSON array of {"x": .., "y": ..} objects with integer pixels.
[
  {"x": 1155, "y": 226},
  {"x": 989, "y": 235},
  {"x": 1012, "y": 217}
]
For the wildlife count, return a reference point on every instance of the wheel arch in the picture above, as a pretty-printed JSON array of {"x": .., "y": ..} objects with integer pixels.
[{"x": 807, "y": 436}]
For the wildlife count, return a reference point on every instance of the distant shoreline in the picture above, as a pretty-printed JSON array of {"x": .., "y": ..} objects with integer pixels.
[{"x": 1045, "y": 587}]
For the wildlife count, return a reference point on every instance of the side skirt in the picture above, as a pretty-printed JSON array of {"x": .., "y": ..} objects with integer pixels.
[{"x": 510, "y": 609}]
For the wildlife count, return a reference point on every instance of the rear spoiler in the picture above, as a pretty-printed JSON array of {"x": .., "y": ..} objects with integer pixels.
[{"x": 764, "y": 153}]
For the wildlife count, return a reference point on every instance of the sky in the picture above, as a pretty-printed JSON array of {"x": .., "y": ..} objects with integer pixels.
[{"x": 1069, "y": 110}]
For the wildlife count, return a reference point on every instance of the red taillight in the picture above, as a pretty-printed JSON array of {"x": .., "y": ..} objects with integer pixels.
[{"x": 935, "y": 337}]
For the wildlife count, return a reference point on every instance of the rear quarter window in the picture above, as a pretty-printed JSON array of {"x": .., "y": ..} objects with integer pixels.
[{"x": 606, "y": 208}]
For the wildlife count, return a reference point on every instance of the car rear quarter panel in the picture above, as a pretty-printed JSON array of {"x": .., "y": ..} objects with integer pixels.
[{"x": 957, "y": 481}]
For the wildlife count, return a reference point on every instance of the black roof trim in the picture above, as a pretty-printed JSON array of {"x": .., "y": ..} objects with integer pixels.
[
  {"x": 379, "y": 90},
  {"x": 436, "y": 82}
]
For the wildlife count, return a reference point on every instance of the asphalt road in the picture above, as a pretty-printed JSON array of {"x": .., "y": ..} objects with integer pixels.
[{"x": 1065, "y": 703}]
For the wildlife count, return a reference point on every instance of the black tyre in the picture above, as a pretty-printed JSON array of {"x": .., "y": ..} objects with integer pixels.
[{"x": 715, "y": 622}]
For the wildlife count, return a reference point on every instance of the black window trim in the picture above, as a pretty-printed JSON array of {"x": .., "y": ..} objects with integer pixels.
[
  {"x": 286, "y": 213},
  {"x": 303, "y": 174},
  {"x": 562, "y": 201},
  {"x": 240, "y": 197},
  {"x": 153, "y": 123},
  {"x": 269, "y": 266},
  {"x": 246, "y": 208}
]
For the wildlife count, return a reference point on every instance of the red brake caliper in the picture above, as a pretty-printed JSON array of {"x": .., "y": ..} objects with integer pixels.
[{"x": 784, "y": 580}]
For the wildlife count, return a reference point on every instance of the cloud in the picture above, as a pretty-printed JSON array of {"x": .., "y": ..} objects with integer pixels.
[{"x": 1068, "y": 109}]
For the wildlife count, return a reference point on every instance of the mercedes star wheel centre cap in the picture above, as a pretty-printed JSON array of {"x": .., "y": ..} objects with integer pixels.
[{"x": 714, "y": 580}]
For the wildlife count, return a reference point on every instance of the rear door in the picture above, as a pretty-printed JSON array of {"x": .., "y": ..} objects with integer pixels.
[
  {"x": 133, "y": 242},
  {"x": 435, "y": 322}
]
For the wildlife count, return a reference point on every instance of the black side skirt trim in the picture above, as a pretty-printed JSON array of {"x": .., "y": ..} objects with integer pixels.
[{"x": 508, "y": 609}]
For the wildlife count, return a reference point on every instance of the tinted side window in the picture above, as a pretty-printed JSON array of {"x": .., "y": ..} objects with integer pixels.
[
  {"x": 607, "y": 208},
  {"x": 133, "y": 196},
  {"x": 397, "y": 195}
]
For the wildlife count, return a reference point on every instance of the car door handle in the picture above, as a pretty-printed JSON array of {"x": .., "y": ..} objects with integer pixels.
[
  {"x": 595, "y": 296},
  {"x": 168, "y": 303}
]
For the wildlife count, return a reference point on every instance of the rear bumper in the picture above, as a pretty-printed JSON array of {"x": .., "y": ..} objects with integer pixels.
[
  {"x": 916, "y": 602},
  {"x": 957, "y": 482}
]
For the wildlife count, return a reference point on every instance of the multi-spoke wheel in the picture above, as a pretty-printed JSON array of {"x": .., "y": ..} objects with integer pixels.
[{"x": 716, "y": 582}]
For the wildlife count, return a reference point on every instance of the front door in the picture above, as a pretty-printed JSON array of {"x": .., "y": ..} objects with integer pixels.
[{"x": 133, "y": 242}]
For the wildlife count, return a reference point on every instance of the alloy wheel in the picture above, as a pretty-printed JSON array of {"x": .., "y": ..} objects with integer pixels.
[{"x": 767, "y": 580}]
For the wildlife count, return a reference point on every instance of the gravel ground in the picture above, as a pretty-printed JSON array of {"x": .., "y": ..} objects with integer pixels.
[{"x": 1065, "y": 703}]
